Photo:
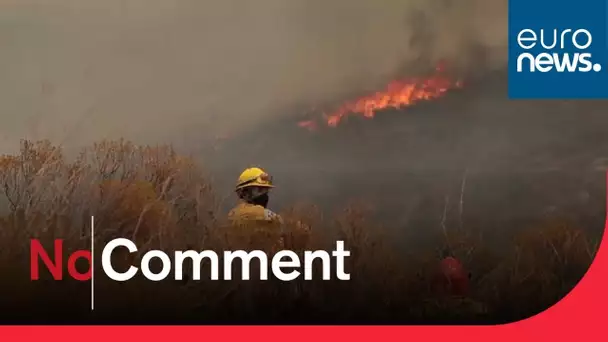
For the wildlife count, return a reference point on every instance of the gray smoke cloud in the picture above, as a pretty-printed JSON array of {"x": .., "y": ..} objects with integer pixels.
[{"x": 161, "y": 70}]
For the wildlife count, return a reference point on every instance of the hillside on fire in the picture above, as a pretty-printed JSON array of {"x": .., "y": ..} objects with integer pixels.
[{"x": 510, "y": 163}]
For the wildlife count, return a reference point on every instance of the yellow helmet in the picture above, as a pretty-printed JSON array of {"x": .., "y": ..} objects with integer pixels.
[{"x": 254, "y": 176}]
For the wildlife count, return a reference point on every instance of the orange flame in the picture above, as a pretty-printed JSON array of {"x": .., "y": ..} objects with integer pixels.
[{"x": 398, "y": 94}]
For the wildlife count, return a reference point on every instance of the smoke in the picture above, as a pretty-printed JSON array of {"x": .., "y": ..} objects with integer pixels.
[
  {"x": 471, "y": 34},
  {"x": 163, "y": 70}
]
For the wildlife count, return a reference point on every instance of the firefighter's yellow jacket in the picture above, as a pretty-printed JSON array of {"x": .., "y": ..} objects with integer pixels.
[
  {"x": 256, "y": 226},
  {"x": 245, "y": 213}
]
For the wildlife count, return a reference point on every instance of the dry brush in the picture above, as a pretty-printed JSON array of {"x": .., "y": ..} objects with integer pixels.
[{"x": 162, "y": 200}]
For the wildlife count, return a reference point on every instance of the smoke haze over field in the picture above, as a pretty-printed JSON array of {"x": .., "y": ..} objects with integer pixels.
[
  {"x": 158, "y": 70},
  {"x": 185, "y": 71}
]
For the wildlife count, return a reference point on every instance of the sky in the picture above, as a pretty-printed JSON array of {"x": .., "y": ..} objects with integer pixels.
[{"x": 76, "y": 71}]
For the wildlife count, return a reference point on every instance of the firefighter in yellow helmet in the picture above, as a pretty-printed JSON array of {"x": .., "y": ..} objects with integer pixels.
[
  {"x": 253, "y": 187},
  {"x": 259, "y": 226}
]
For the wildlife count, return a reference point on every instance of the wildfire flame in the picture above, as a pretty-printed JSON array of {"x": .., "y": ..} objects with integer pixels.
[{"x": 398, "y": 94}]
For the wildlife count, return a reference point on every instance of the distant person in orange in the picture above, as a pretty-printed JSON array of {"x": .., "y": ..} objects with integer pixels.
[
  {"x": 451, "y": 277},
  {"x": 455, "y": 279},
  {"x": 452, "y": 285}
]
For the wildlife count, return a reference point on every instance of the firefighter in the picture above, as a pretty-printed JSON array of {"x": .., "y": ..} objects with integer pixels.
[
  {"x": 253, "y": 188},
  {"x": 254, "y": 226},
  {"x": 455, "y": 279},
  {"x": 452, "y": 285},
  {"x": 259, "y": 227}
]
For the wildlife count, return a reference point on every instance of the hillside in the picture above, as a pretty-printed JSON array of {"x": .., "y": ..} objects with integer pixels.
[{"x": 521, "y": 161}]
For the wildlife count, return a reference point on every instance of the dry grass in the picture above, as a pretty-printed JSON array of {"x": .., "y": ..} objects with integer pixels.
[{"x": 162, "y": 200}]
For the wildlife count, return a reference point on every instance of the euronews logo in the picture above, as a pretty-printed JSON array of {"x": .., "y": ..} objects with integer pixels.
[{"x": 564, "y": 51}]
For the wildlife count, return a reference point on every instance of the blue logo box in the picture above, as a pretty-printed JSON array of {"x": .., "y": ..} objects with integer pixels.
[{"x": 558, "y": 49}]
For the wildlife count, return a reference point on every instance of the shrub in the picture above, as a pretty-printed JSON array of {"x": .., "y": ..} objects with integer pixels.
[{"x": 162, "y": 200}]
